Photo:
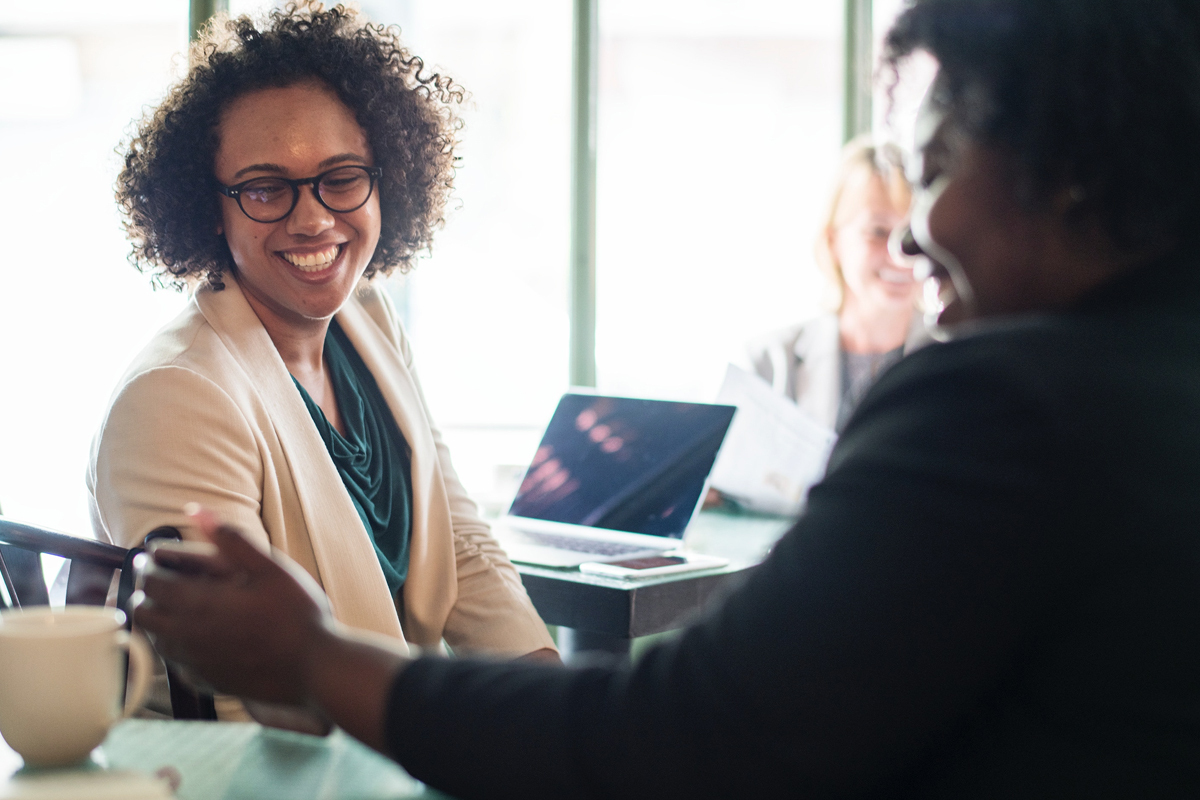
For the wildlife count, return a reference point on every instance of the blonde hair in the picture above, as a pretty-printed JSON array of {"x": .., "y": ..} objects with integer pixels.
[{"x": 884, "y": 161}]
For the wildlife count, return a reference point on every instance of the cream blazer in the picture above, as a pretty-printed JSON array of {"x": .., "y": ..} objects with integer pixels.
[{"x": 208, "y": 413}]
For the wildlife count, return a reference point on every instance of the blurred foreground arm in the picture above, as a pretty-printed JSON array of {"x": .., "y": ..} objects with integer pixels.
[
  {"x": 865, "y": 656},
  {"x": 254, "y": 628}
]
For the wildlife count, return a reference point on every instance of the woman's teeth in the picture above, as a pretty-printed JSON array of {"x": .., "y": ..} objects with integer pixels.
[
  {"x": 312, "y": 262},
  {"x": 896, "y": 275}
]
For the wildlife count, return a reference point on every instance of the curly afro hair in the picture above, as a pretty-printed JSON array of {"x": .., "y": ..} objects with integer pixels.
[
  {"x": 167, "y": 190},
  {"x": 1101, "y": 97}
]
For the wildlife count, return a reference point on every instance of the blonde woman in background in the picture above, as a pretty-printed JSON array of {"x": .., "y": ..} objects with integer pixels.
[{"x": 826, "y": 365}]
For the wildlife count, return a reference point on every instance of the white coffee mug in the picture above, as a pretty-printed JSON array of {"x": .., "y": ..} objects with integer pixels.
[{"x": 61, "y": 677}]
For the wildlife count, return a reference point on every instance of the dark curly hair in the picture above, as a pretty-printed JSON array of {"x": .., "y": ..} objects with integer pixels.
[
  {"x": 167, "y": 190},
  {"x": 1098, "y": 97}
]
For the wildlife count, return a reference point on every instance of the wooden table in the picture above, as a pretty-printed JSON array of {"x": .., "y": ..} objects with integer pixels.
[
  {"x": 218, "y": 761},
  {"x": 595, "y": 613}
]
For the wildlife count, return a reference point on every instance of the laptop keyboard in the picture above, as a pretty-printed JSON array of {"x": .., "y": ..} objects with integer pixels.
[{"x": 578, "y": 545}]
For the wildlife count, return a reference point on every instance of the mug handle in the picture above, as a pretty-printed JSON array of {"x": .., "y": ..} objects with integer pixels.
[{"x": 141, "y": 668}]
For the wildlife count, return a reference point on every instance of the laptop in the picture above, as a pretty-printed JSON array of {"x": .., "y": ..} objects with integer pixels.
[{"x": 614, "y": 479}]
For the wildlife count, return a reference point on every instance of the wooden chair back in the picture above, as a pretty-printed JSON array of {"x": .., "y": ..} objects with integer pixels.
[
  {"x": 90, "y": 576},
  {"x": 93, "y": 567}
]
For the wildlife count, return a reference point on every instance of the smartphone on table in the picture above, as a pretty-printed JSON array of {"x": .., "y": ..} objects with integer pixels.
[{"x": 652, "y": 566}]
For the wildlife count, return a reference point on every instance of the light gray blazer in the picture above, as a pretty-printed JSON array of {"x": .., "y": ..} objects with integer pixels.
[{"x": 804, "y": 363}]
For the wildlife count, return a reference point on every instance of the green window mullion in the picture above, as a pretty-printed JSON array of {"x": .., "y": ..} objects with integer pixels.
[
  {"x": 200, "y": 12},
  {"x": 583, "y": 194},
  {"x": 856, "y": 76}
]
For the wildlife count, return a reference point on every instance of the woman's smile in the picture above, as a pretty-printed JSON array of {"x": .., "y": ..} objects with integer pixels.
[
  {"x": 298, "y": 270},
  {"x": 897, "y": 275},
  {"x": 311, "y": 263}
]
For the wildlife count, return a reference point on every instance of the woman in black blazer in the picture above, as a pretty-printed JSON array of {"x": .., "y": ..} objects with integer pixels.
[{"x": 995, "y": 590}]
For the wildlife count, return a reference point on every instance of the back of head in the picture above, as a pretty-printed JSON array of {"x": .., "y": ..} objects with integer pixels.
[{"x": 1097, "y": 97}]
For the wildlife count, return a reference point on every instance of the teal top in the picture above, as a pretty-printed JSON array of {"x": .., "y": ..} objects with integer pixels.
[{"x": 372, "y": 458}]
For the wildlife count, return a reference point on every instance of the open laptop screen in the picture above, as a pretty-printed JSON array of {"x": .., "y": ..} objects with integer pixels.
[{"x": 623, "y": 463}]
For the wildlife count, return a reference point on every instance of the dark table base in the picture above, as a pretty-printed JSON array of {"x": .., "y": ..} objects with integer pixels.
[{"x": 573, "y": 643}]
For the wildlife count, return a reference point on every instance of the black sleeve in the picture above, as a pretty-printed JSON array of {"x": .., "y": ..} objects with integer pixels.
[{"x": 880, "y": 623}]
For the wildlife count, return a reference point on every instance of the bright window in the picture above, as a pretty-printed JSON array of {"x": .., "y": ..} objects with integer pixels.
[
  {"x": 487, "y": 313},
  {"x": 73, "y": 312},
  {"x": 720, "y": 123}
]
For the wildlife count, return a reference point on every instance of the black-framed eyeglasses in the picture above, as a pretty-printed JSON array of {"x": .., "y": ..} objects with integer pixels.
[{"x": 272, "y": 199}]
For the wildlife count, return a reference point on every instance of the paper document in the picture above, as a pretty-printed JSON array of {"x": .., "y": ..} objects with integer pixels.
[{"x": 773, "y": 451}]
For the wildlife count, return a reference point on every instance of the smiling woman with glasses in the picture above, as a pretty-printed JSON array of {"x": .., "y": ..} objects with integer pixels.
[{"x": 302, "y": 156}]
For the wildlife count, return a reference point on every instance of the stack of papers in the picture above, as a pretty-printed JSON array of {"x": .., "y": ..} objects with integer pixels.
[{"x": 773, "y": 452}]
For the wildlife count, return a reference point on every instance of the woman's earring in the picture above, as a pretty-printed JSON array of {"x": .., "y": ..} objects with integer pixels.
[{"x": 901, "y": 244}]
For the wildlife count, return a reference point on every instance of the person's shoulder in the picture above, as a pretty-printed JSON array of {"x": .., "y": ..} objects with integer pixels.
[
  {"x": 1106, "y": 396},
  {"x": 796, "y": 338},
  {"x": 176, "y": 341},
  {"x": 981, "y": 394},
  {"x": 1037, "y": 344},
  {"x": 186, "y": 346},
  {"x": 1067, "y": 366}
]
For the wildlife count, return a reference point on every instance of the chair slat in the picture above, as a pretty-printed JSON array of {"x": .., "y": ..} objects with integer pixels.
[
  {"x": 10, "y": 591},
  {"x": 24, "y": 576},
  {"x": 74, "y": 548},
  {"x": 88, "y": 584}
]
